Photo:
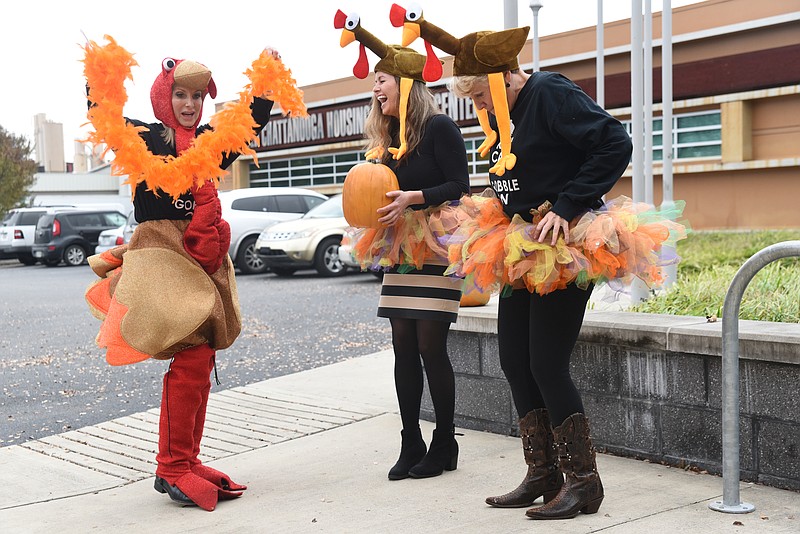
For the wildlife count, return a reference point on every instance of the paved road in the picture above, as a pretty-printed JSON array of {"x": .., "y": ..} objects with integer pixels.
[{"x": 56, "y": 379}]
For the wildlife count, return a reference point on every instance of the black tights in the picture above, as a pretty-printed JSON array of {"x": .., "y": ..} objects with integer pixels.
[
  {"x": 411, "y": 340},
  {"x": 536, "y": 335}
]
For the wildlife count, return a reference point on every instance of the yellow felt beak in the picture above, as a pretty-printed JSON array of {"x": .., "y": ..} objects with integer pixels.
[
  {"x": 346, "y": 38},
  {"x": 411, "y": 32}
]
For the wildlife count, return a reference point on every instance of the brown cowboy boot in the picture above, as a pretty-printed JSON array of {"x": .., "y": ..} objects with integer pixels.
[
  {"x": 543, "y": 477},
  {"x": 582, "y": 491}
]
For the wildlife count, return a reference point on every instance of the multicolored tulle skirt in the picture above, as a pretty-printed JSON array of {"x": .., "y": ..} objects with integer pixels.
[
  {"x": 418, "y": 237},
  {"x": 622, "y": 240}
]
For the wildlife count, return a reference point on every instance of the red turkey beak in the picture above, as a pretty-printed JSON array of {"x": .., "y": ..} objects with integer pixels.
[
  {"x": 410, "y": 33},
  {"x": 346, "y": 38}
]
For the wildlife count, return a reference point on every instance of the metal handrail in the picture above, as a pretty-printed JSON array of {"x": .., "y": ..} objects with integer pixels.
[{"x": 730, "y": 502}]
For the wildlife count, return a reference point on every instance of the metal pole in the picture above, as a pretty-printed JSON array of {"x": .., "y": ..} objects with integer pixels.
[
  {"x": 730, "y": 373},
  {"x": 535, "y": 6},
  {"x": 648, "y": 102},
  {"x": 637, "y": 97},
  {"x": 637, "y": 288},
  {"x": 670, "y": 272},
  {"x": 601, "y": 53},
  {"x": 510, "y": 13}
]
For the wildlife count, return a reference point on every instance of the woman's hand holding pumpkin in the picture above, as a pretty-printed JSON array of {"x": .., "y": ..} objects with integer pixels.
[{"x": 391, "y": 213}]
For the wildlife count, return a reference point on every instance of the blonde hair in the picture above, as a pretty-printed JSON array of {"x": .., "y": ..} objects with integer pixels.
[
  {"x": 381, "y": 130},
  {"x": 463, "y": 86},
  {"x": 168, "y": 134}
]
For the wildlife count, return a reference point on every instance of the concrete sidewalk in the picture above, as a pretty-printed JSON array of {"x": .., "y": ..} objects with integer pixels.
[{"x": 314, "y": 449}]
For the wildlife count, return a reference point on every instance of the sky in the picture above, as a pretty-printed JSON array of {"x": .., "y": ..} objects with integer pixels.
[{"x": 41, "y": 43}]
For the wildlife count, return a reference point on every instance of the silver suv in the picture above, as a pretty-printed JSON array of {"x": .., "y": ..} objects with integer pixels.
[
  {"x": 251, "y": 210},
  {"x": 18, "y": 231}
]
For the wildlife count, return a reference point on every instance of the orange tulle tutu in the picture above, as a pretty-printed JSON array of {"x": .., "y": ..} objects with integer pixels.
[
  {"x": 418, "y": 237},
  {"x": 621, "y": 240}
]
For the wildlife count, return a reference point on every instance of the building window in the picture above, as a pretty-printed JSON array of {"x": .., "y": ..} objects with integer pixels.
[
  {"x": 694, "y": 135},
  {"x": 307, "y": 171},
  {"x": 475, "y": 163}
]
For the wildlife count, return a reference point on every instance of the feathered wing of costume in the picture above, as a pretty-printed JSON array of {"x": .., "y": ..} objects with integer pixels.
[{"x": 171, "y": 292}]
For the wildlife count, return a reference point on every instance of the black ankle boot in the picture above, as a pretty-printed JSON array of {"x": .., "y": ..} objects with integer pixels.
[
  {"x": 162, "y": 486},
  {"x": 442, "y": 456},
  {"x": 412, "y": 451}
]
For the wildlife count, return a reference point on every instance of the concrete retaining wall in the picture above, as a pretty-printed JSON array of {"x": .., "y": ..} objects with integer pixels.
[{"x": 651, "y": 385}]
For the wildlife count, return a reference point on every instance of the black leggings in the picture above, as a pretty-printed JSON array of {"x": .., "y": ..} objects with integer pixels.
[
  {"x": 536, "y": 335},
  {"x": 411, "y": 340}
]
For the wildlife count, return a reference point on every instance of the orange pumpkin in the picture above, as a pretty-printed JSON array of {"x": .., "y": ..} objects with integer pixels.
[
  {"x": 474, "y": 297},
  {"x": 364, "y": 191}
]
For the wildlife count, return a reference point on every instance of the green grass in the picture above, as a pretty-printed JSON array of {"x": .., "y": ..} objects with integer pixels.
[{"x": 709, "y": 261}]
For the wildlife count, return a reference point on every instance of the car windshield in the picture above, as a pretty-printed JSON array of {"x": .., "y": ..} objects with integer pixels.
[
  {"x": 7, "y": 217},
  {"x": 330, "y": 208}
]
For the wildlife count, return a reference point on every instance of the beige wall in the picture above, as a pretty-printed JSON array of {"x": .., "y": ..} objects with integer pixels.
[{"x": 776, "y": 128}]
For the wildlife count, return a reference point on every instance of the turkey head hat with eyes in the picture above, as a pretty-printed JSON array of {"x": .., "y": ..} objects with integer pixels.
[{"x": 185, "y": 73}]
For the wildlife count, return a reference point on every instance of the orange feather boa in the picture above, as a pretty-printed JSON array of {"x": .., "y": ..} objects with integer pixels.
[{"x": 107, "y": 67}]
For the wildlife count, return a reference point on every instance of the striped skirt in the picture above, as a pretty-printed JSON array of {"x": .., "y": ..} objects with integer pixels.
[{"x": 420, "y": 294}]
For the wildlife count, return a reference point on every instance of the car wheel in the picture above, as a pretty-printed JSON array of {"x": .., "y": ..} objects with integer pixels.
[
  {"x": 27, "y": 259},
  {"x": 74, "y": 255},
  {"x": 283, "y": 271},
  {"x": 326, "y": 259},
  {"x": 247, "y": 260}
]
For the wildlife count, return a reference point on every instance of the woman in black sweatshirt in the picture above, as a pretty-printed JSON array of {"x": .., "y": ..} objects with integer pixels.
[{"x": 569, "y": 152}]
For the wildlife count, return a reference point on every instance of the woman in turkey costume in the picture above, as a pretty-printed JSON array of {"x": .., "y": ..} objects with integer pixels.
[
  {"x": 546, "y": 237},
  {"x": 431, "y": 167},
  {"x": 171, "y": 294}
]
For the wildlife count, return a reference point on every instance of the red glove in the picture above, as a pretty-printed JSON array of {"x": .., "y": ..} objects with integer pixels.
[{"x": 208, "y": 236}]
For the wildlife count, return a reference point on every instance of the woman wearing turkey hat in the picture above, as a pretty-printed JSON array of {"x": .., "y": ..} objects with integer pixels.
[
  {"x": 567, "y": 151},
  {"x": 431, "y": 167}
]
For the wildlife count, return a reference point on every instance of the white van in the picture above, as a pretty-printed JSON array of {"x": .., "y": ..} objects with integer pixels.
[{"x": 251, "y": 210}]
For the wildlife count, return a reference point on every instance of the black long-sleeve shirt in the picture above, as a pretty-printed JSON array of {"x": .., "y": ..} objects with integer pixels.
[
  {"x": 151, "y": 206},
  {"x": 569, "y": 150},
  {"x": 438, "y": 165}
]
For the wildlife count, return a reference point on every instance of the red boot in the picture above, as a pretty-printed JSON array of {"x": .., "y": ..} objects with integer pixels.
[
  {"x": 182, "y": 397},
  {"x": 218, "y": 478}
]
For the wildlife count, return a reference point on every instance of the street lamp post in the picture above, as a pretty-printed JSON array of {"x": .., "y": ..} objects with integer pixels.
[
  {"x": 509, "y": 14},
  {"x": 601, "y": 53},
  {"x": 536, "y": 5}
]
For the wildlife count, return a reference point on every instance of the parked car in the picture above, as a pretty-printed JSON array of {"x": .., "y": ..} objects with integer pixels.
[
  {"x": 116, "y": 236},
  {"x": 130, "y": 226},
  {"x": 312, "y": 241},
  {"x": 109, "y": 239},
  {"x": 18, "y": 230},
  {"x": 72, "y": 236},
  {"x": 346, "y": 248},
  {"x": 249, "y": 211},
  {"x": 346, "y": 252}
]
